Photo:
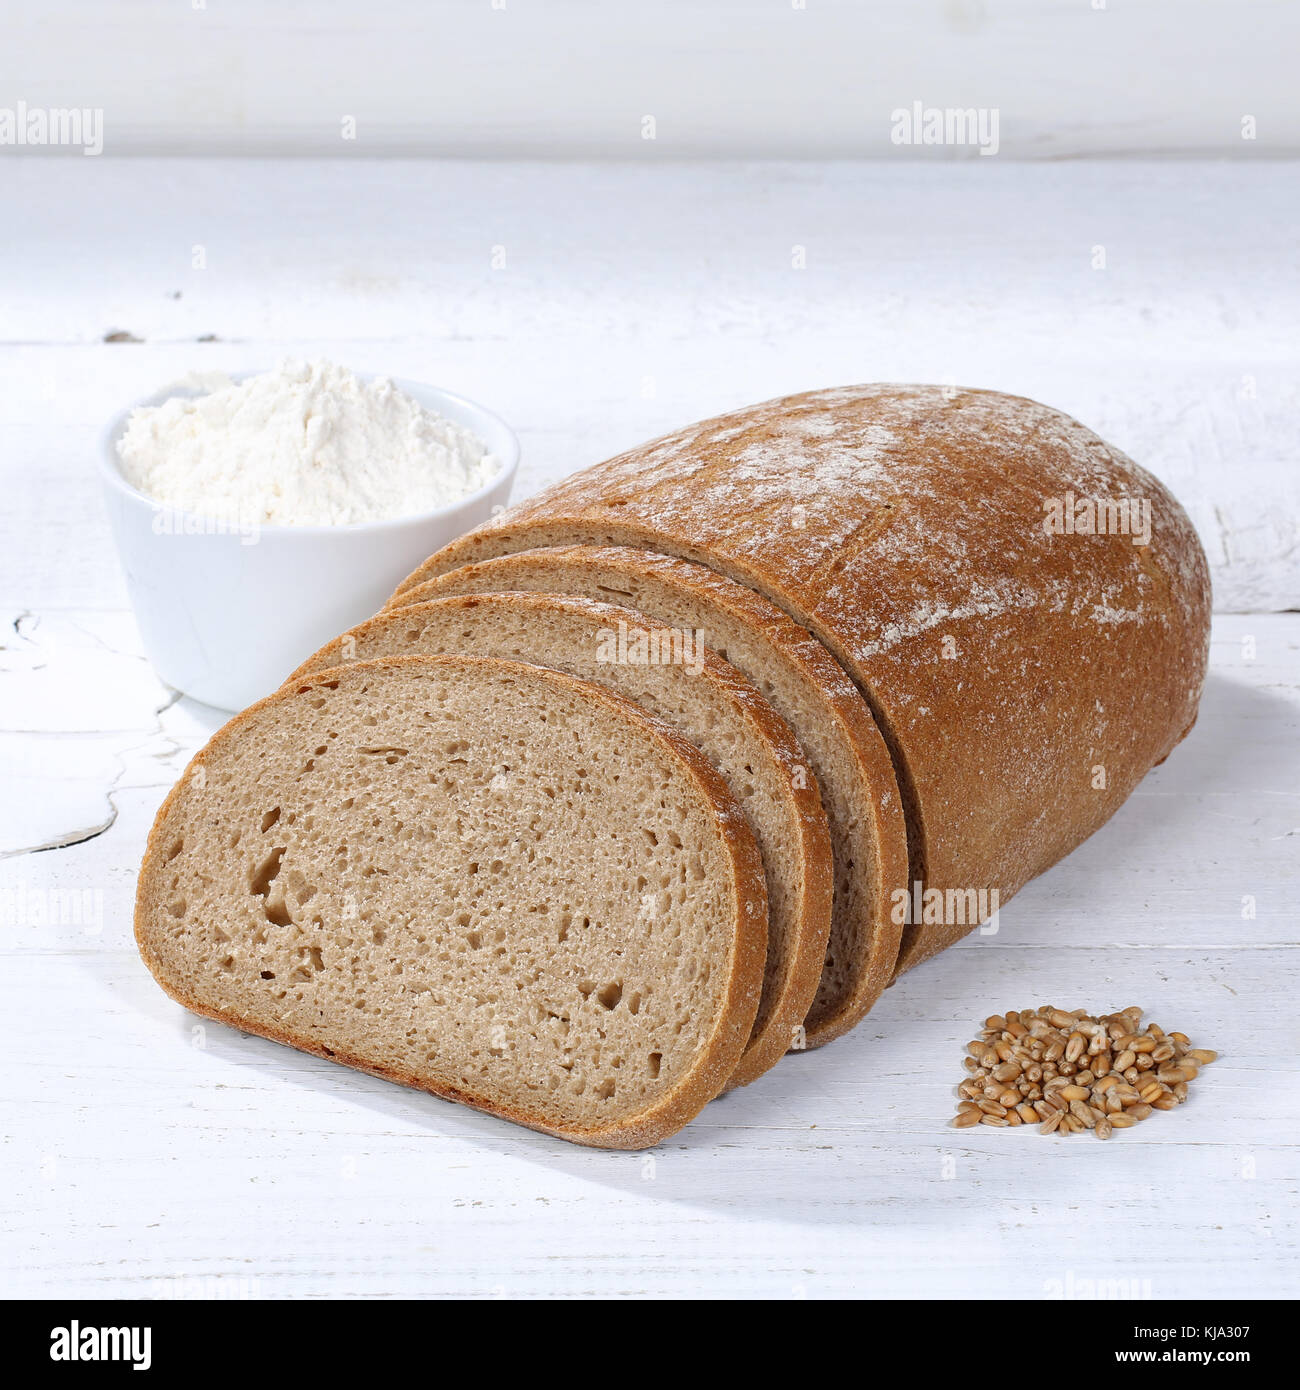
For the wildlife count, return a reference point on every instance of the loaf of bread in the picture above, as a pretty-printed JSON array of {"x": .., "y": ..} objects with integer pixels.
[
  {"x": 706, "y": 701},
  {"x": 806, "y": 686},
  {"x": 484, "y": 879},
  {"x": 922, "y": 642},
  {"x": 1026, "y": 666}
]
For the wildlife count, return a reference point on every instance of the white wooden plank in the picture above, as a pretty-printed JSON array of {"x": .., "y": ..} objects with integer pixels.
[{"x": 809, "y": 78}]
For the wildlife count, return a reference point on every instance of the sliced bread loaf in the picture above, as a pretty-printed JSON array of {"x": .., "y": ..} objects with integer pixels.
[
  {"x": 669, "y": 672},
  {"x": 806, "y": 686},
  {"x": 487, "y": 880}
]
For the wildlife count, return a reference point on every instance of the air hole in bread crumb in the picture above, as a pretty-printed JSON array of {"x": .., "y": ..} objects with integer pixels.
[
  {"x": 264, "y": 876},
  {"x": 177, "y": 907},
  {"x": 312, "y": 964},
  {"x": 606, "y": 1088},
  {"x": 270, "y": 818},
  {"x": 267, "y": 872},
  {"x": 652, "y": 1063},
  {"x": 175, "y": 849},
  {"x": 268, "y": 974},
  {"x": 609, "y": 996},
  {"x": 389, "y": 755}
]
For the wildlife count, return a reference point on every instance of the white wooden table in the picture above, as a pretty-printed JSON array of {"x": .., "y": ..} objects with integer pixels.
[{"x": 145, "y": 1153}]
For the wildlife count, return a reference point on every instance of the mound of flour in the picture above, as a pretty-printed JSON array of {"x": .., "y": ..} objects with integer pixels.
[{"x": 308, "y": 444}]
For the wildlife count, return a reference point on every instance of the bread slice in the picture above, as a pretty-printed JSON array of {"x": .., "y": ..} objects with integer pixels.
[
  {"x": 807, "y": 688},
  {"x": 1026, "y": 675},
  {"x": 712, "y": 706},
  {"x": 483, "y": 879}
]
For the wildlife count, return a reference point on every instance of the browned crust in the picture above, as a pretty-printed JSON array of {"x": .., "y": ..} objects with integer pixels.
[
  {"x": 715, "y": 1062},
  {"x": 883, "y": 858},
  {"x": 807, "y": 951},
  {"x": 893, "y": 520}
]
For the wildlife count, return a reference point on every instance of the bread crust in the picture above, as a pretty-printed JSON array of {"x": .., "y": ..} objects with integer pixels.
[
  {"x": 806, "y": 952},
  {"x": 716, "y": 1060},
  {"x": 880, "y": 807},
  {"x": 1024, "y": 682}
]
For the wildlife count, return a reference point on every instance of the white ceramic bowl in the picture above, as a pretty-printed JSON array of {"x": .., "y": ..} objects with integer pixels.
[{"x": 226, "y": 617}]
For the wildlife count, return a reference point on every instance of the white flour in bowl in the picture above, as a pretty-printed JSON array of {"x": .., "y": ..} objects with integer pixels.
[{"x": 308, "y": 444}]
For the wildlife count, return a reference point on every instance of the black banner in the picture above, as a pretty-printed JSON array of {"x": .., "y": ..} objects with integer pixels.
[{"x": 55, "y": 1341}]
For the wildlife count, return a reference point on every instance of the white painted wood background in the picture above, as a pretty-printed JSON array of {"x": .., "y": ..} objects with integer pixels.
[
  {"x": 144, "y": 1153},
  {"x": 811, "y": 79}
]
